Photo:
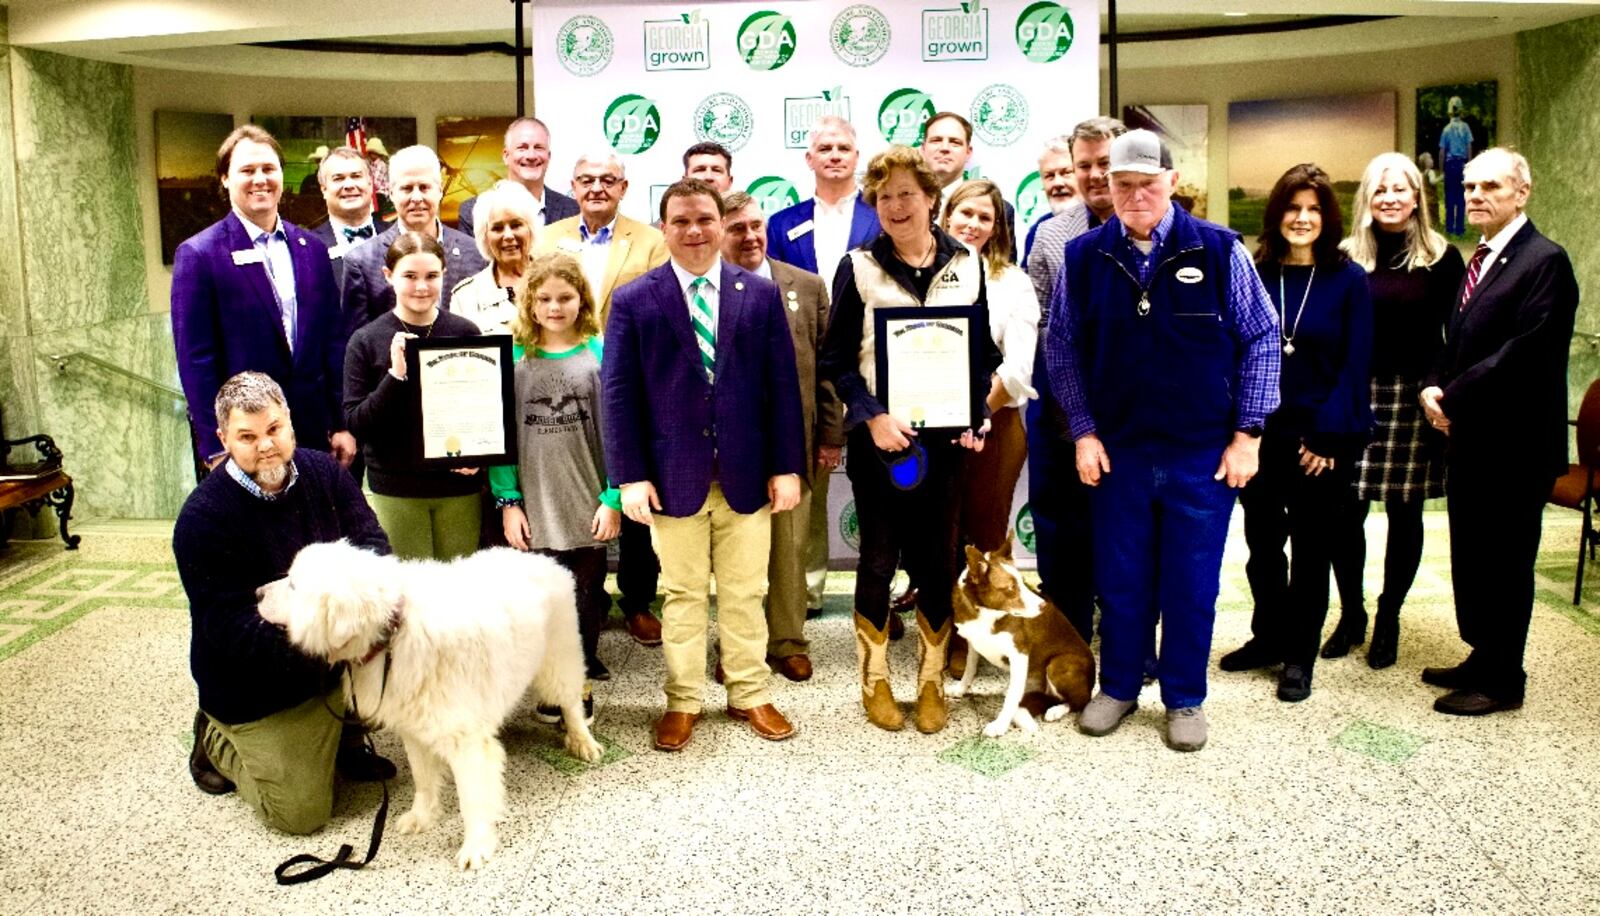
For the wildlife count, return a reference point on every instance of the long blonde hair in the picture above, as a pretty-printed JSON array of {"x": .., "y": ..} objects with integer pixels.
[
  {"x": 1424, "y": 246},
  {"x": 525, "y": 328}
]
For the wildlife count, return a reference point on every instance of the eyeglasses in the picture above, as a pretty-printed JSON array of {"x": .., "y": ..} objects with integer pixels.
[{"x": 588, "y": 181}]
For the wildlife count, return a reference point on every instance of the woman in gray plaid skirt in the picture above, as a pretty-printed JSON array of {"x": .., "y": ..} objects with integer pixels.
[{"x": 1413, "y": 275}]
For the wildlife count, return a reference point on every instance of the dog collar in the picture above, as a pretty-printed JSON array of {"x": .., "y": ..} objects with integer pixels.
[{"x": 384, "y": 638}]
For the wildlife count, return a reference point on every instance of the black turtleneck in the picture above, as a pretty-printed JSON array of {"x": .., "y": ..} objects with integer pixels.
[{"x": 1410, "y": 307}]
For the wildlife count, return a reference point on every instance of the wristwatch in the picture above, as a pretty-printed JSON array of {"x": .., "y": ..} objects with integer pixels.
[{"x": 1253, "y": 432}]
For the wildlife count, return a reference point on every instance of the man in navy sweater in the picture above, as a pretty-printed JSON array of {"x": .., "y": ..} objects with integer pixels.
[{"x": 269, "y": 716}]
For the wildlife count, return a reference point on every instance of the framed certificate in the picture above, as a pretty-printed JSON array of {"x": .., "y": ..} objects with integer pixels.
[
  {"x": 924, "y": 360},
  {"x": 464, "y": 408}
]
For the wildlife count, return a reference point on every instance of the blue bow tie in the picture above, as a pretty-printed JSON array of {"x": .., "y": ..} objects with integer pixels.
[{"x": 350, "y": 235}]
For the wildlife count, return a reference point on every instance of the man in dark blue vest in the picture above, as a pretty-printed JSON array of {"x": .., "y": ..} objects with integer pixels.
[{"x": 1163, "y": 351}]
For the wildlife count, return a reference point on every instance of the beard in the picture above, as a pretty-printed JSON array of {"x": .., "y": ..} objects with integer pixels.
[
  {"x": 272, "y": 477},
  {"x": 1059, "y": 206}
]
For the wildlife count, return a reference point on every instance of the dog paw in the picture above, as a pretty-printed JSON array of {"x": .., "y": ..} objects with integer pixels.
[
  {"x": 585, "y": 748},
  {"x": 1024, "y": 720},
  {"x": 956, "y": 690},
  {"x": 475, "y": 853},
  {"x": 996, "y": 728},
  {"x": 413, "y": 821},
  {"x": 1057, "y": 713}
]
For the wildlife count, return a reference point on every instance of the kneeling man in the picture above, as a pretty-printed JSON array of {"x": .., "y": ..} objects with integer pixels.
[
  {"x": 269, "y": 716},
  {"x": 702, "y": 432}
]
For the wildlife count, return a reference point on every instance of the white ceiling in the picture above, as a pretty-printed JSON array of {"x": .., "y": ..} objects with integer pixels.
[{"x": 206, "y": 35}]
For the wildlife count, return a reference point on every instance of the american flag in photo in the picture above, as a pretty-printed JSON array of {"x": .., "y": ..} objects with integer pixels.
[{"x": 355, "y": 134}]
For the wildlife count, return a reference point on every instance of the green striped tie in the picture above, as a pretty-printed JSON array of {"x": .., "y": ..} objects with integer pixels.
[{"x": 700, "y": 317}]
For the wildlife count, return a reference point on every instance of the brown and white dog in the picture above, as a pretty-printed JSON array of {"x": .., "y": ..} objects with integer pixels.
[{"x": 1010, "y": 625}]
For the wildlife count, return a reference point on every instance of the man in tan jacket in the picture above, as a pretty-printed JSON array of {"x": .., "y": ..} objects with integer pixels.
[
  {"x": 744, "y": 242},
  {"x": 612, "y": 248},
  {"x": 614, "y": 251}
]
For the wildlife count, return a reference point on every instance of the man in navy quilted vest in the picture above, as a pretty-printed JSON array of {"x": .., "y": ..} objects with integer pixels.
[{"x": 1163, "y": 350}]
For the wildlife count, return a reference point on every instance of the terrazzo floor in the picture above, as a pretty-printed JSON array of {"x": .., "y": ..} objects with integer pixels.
[{"x": 1360, "y": 800}]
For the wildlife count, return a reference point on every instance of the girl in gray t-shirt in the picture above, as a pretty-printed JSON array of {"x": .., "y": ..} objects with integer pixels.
[{"x": 556, "y": 500}]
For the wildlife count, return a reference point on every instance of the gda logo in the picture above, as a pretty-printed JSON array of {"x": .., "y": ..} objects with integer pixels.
[
  {"x": 859, "y": 35},
  {"x": 1044, "y": 32},
  {"x": 632, "y": 124},
  {"x": 583, "y": 45},
  {"x": 773, "y": 193},
  {"x": 850, "y": 526},
  {"x": 766, "y": 40},
  {"x": 1025, "y": 532},
  {"x": 903, "y": 114},
  {"x": 724, "y": 118},
  {"x": 999, "y": 115},
  {"x": 1031, "y": 200}
]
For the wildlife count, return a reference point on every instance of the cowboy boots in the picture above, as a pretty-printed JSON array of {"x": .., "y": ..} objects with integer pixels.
[
  {"x": 872, "y": 649},
  {"x": 932, "y": 646}
]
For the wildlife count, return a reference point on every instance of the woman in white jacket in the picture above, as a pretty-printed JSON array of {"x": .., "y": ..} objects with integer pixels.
[{"x": 974, "y": 214}]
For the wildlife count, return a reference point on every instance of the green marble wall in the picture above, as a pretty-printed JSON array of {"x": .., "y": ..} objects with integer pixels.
[
  {"x": 71, "y": 224},
  {"x": 1558, "y": 81}
]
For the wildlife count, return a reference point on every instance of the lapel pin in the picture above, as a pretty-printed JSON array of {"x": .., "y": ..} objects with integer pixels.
[
  {"x": 792, "y": 295},
  {"x": 302, "y": 241},
  {"x": 455, "y": 252},
  {"x": 738, "y": 285}
]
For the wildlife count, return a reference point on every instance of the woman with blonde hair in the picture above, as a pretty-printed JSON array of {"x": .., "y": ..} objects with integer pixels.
[
  {"x": 906, "y": 485},
  {"x": 504, "y": 230},
  {"x": 1413, "y": 274}
]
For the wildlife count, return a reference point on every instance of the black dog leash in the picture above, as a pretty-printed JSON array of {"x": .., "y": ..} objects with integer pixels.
[{"x": 285, "y": 872}]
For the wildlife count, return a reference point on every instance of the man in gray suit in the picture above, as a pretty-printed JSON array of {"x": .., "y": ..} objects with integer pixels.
[
  {"x": 526, "y": 153},
  {"x": 805, "y": 299},
  {"x": 416, "y": 188}
]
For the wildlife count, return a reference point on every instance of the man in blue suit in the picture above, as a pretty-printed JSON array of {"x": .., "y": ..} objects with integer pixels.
[
  {"x": 415, "y": 183},
  {"x": 346, "y": 182},
  {"x": 526, "y": 153},
  {"x": 255, "y": 292},
  {"x": 814, "y": 234},
  {"x": 702, "y": 429}
]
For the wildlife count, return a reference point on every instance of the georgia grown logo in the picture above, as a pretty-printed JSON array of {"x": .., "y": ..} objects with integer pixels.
[
  {"x": 800, "y": 115},
  {"x": 766, "y": 40},
  {"x": 632, "y": 124},
  {"x": 1044, "y": 32},
  {"x": 956, "y": 34},
  {"x": 903, "y": 115},
  {"x": 678, "y": 44}
]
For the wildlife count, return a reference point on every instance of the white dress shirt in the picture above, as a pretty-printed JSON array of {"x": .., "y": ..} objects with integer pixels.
[
  {"x": 830, "y": 233},
  {"x": 279, "y": 265},
  {"x": 1498, "y": 244},
  {"x": 711, "y": 292},
  {"x": 596, "y": 251}
]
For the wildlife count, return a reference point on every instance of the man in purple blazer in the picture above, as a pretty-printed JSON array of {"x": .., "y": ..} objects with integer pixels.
[
  {"x": 255, "y": 292},
  {"x": 814, "y": 234},
  {"x": 702, "y": 429}
]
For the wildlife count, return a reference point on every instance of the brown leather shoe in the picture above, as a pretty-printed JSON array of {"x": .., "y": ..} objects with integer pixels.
[
  {"x": 794, "y": 667},
  {"x": 897, "y": 626},
  {"x": 765, "y": 720},
  {"x": 674, "y": 729},
  {"x": 644, "y": 628}
]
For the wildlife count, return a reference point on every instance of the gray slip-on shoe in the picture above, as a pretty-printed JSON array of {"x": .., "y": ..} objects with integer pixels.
[
  {"x": 1186, "y": 728},
  {"x": 1103, "y": 714}
]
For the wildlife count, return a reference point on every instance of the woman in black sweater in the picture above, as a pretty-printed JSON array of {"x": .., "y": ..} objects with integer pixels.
[
  {"x": 1312, "y": 441},
  {"x": 427, "y": 513},
  {"x": 1414, "y": 276}
]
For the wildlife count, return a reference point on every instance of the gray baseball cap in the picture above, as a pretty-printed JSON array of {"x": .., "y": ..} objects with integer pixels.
[{"x": 1140, "y": 151}]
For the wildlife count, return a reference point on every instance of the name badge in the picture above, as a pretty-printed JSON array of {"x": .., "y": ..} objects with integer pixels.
[
  {"x": 253, "y": 256},
  {"x": 335, "y": 254},
  {"x": 1190, "y": 275},
  {"x": 802, "y": 229}
]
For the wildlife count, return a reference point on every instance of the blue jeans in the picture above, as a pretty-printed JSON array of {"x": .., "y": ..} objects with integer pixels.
[
  {"x": 1455, "y": 196},
  {"x": 1161, "y": 522}
]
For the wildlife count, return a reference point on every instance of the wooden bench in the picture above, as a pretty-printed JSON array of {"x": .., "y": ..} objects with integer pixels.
[{"x": 32, "y": 485}]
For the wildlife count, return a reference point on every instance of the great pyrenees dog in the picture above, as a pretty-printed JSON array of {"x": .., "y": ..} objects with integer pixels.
[{"x": 442, "y": 653}]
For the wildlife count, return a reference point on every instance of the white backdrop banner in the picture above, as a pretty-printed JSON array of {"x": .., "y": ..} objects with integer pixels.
[{"x": 650, "y": 81}]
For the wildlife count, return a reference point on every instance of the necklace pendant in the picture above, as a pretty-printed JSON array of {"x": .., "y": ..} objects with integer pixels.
[
  {"x": 1288, "y": 348},
  {"x": 1144, "y": 304}
]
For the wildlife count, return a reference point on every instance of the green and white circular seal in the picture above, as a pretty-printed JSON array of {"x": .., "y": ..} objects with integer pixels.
[
  {"x": 766, "y": 40},
  {"x": 584, "y": 45},
  {"x": 632, "y": 124},
  {"x": 773, "y": 193},
  {"x": 724, "y": 118},
  {"x": 1044, "y": 32},
  {"x": 999, "y": 115},
  {"x": 1025, "y": 532},
  {"x": 859, "y": 35},
  {"x": 1031, "y": 200},
  {"x": 903, "y": 115},
  {"x": 850, "y": 526}
]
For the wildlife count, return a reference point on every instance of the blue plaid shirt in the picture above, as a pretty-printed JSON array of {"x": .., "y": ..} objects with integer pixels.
[
  {"x": 1253, "y": 317},
  {"x": 254, "y": 489}
]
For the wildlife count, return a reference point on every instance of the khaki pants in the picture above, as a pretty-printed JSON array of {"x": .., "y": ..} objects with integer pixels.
[
  {"x": 734, "y": 547},
  {"x": 817, "y": 539},
  {"x": 283, "y": 764},
  {"x": 786, "y": 573}
]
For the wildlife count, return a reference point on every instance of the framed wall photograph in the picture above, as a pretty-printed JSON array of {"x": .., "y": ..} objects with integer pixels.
[
  {"x": 307, "y": 138},
  {"x": 469, "y": 148},
  {"x": 1454, "y": 123},
  {"x": 188, "y": 194}
]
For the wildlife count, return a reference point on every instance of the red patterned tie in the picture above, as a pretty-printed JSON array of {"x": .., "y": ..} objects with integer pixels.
[{"x": 1473, "y": 269}]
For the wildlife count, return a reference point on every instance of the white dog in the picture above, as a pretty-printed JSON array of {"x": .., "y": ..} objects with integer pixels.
[{"x": 463, "y": 640}]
